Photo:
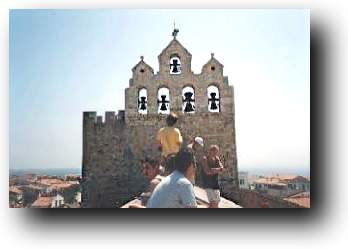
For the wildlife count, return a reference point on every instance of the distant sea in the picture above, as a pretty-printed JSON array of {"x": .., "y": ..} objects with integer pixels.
[
  {"x": 51, "y": 172},
  {"x": 251, "y": 170},
  {"x": 268, "y": 171}
]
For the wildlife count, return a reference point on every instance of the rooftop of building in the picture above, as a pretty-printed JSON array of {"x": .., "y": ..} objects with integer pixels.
[
  {"x": 33, "y": 187},
  {"x": 302, "y": 199},
  {"x": 201, "y": 198},
  {"x": 50, "y": 181},
  {"x": 270, "y": 181},
  {"x": 16, "y": 190},
  {"x": 43, "y": 202},
  {"x": 280, "y": 179},
  {"x": 63, "y": 185},
  {"x": 290, "y": 177}
]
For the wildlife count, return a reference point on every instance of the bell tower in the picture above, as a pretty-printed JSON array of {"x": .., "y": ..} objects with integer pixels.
[
  {"x": 175, "y": 60},
  {"x": 113, "y": 149}
]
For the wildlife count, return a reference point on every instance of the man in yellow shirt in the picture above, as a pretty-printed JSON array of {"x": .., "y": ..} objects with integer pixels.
[{"x": 169, "y": 138}]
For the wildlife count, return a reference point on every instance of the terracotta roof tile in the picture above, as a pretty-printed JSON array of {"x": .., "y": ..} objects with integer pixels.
[
  {"x": 61, "y": 185},
  {"x": 279, "y": 179},
  {"x": 16, "y": 190},
  {"x": 272, "y": 181},
  {"x": 50, "y": 181},
  {"x": 43, "y": 202},
  {"x": 302, "y": 199}
]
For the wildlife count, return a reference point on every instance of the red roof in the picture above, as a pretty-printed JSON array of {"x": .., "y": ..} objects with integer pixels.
[
  {"x": 302, "y": 199},
  {"x": 61, "y": 185},
  {"x": 279, "y": 180},
  {"x": 272, "y": 181},
  {"x": 43, "y": 202},
  {"x": 50, "y": 181},
  {"x": 291, "y": 178},
  {"x": 14, "y": 189}
]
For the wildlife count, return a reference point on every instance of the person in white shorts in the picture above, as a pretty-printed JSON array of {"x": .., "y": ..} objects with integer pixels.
[
  {"x": 212, "y": 166},
  {"x": 197, "y": 147}
]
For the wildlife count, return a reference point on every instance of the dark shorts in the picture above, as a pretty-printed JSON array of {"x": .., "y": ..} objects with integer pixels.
[{"x": 168, "y": 164}]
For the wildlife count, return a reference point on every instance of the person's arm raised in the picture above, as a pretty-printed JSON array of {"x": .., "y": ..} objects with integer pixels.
[
  {"x": 209, "y": 171},
  {"x": 221, "y": 166},
  {"x": 180, "y": 140}
]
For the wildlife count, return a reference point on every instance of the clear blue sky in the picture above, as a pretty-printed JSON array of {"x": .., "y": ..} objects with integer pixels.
[{"x": 64, "y": 62}]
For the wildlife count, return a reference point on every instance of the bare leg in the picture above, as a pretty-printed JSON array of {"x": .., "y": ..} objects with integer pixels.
[{"x": 213, "y": 205}]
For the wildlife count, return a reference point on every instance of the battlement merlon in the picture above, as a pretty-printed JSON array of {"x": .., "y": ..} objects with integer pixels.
[{"x": 91, "y": 119}]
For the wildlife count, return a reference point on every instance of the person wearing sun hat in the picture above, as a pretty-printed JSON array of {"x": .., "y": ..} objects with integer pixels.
[{"x": 169, "y": 140}]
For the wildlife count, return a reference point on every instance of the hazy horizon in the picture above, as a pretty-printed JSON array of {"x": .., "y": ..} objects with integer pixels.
[
  {"x": 252, "y": 171},
  {"x": 64, "y": 62},
  {"x": 257, "y": 169}
]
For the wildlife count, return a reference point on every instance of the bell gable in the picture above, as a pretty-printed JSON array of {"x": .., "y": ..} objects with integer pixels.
[{"x": 175, "y": 59}]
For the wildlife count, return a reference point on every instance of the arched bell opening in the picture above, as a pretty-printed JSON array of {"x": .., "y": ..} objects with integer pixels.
[
  {"x": 142, "y": 101},
  {"x": 188, "y": 100},
  {"x": 175, "y": 64},
  {"x": 163, "y": 100},
  {"x": 213, "y": 99}
]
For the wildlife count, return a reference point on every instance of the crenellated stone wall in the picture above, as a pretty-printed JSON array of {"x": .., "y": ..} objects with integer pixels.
[
  {"x": 110, "y": 174},
  {"x": 113, "y": 149}
]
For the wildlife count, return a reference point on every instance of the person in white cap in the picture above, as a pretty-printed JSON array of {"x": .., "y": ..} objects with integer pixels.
[{"x": 197, "y": 147}]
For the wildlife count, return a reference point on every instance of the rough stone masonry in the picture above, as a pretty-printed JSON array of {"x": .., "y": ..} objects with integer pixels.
[{"x": 113, "y": 148}]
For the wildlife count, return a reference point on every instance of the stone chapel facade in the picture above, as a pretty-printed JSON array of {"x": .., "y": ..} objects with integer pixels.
[{"x": 113, "y": 148}]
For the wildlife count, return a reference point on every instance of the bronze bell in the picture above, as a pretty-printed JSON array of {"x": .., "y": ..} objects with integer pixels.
[
  {"x": 163, "y": 103},
  {"x": 213, "y": 105},
  {"x": 142, "y": 103},
  {"x": 175, "y": 66},
  {"x": 188, "y": 99}
]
